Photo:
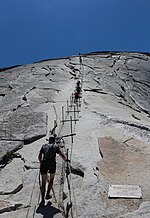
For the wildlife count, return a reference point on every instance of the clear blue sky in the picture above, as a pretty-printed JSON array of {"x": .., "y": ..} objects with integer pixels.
[{"x": 32, "y": 30}]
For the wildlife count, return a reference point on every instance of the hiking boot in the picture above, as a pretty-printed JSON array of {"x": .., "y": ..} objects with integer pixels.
[{"x": 48, "y": 196}]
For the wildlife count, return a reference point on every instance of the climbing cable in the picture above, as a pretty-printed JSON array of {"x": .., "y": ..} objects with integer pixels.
[{"x": 31, "y": 197}]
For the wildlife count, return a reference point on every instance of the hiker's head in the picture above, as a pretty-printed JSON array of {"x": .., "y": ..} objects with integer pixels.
[
  {"x": 51, "y": 139},
  {"x": 78, "y": 82}
]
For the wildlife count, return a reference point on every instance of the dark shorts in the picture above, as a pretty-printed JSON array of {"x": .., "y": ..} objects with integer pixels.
[{"x": 47, "y": 167}]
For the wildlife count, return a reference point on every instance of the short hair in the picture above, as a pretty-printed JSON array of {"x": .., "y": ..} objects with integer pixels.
[{"x": 51, "y": 139}]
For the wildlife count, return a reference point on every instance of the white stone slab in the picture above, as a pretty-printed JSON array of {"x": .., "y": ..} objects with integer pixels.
[{"x": 124, "y": 191}]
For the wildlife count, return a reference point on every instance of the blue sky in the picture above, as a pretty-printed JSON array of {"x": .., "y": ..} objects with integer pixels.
[{"x": 32, "y": 30}]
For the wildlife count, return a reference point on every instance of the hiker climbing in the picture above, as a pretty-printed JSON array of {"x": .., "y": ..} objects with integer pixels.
[
  {"x": 47, "y": 159},
  {"x": 79, "y": 84},
  {"x": 80, "y": 59}
]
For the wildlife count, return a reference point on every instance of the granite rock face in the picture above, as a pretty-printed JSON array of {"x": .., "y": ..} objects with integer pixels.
[{"x": 112, "y": 141}]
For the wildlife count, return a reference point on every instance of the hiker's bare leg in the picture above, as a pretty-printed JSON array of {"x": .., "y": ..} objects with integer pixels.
[
  {"x": 50, "y": 183},
  {"x": 43, "y": 186}
]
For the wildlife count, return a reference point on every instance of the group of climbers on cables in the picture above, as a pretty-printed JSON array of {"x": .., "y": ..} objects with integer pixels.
[
  {"x": 47, "y": 159},
  {"x": 47, "y": 154},
  {"x": 77, "y": 92}
]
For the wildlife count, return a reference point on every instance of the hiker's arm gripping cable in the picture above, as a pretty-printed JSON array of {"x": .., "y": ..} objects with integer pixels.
[{"x": 64, "y": 157}]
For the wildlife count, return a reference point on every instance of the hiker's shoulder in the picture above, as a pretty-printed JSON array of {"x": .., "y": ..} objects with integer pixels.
[{"x": 45, "y": 146}]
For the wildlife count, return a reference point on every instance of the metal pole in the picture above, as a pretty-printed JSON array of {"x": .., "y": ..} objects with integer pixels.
[
  {"x": 67, "y": 107},
  {"x": 63, "y": 115},
  {"x": 77, "y": 108},
  {"x": 75, "y": 114},
  {"x": 69, "y": 205},
  {"x": 72, "y": 98},
  {"x": 55, "y": 123},
  {"x": 71, "y": 129}
]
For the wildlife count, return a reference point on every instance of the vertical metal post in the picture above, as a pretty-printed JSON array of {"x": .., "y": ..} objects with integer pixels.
[
  {"x": 75, "y": 114},
  {"x": 78, "y": 108},
  {"x": 72, "y": 98},
  {"x": 67, "y": 107},
  {"x": 63, "y": 115},
  {"x": 71, "y": 129},
  {"x": 69, "y": 205},
  {"x": 55, "y": 123}
]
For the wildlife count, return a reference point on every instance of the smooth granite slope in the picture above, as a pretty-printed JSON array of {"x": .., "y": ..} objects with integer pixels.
[{"x": 112, "y": 141}]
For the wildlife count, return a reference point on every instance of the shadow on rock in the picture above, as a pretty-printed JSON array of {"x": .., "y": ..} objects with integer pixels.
[{"x": 48, "y": 211}]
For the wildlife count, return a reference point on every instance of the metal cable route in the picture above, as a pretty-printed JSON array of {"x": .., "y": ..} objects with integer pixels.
[
  {"x": 31, "y": 198},
  {"x": 68, "y": 174}
]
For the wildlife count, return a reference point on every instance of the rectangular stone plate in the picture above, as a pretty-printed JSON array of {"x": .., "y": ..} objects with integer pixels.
[{"x": 124, "y": 191}]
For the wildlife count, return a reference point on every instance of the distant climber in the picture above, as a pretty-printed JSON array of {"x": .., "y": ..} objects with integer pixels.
[
  {"x": 47, "y": 159},
  {"x": 79, "y": 83},
  {"x": 80, "y": 59}
]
